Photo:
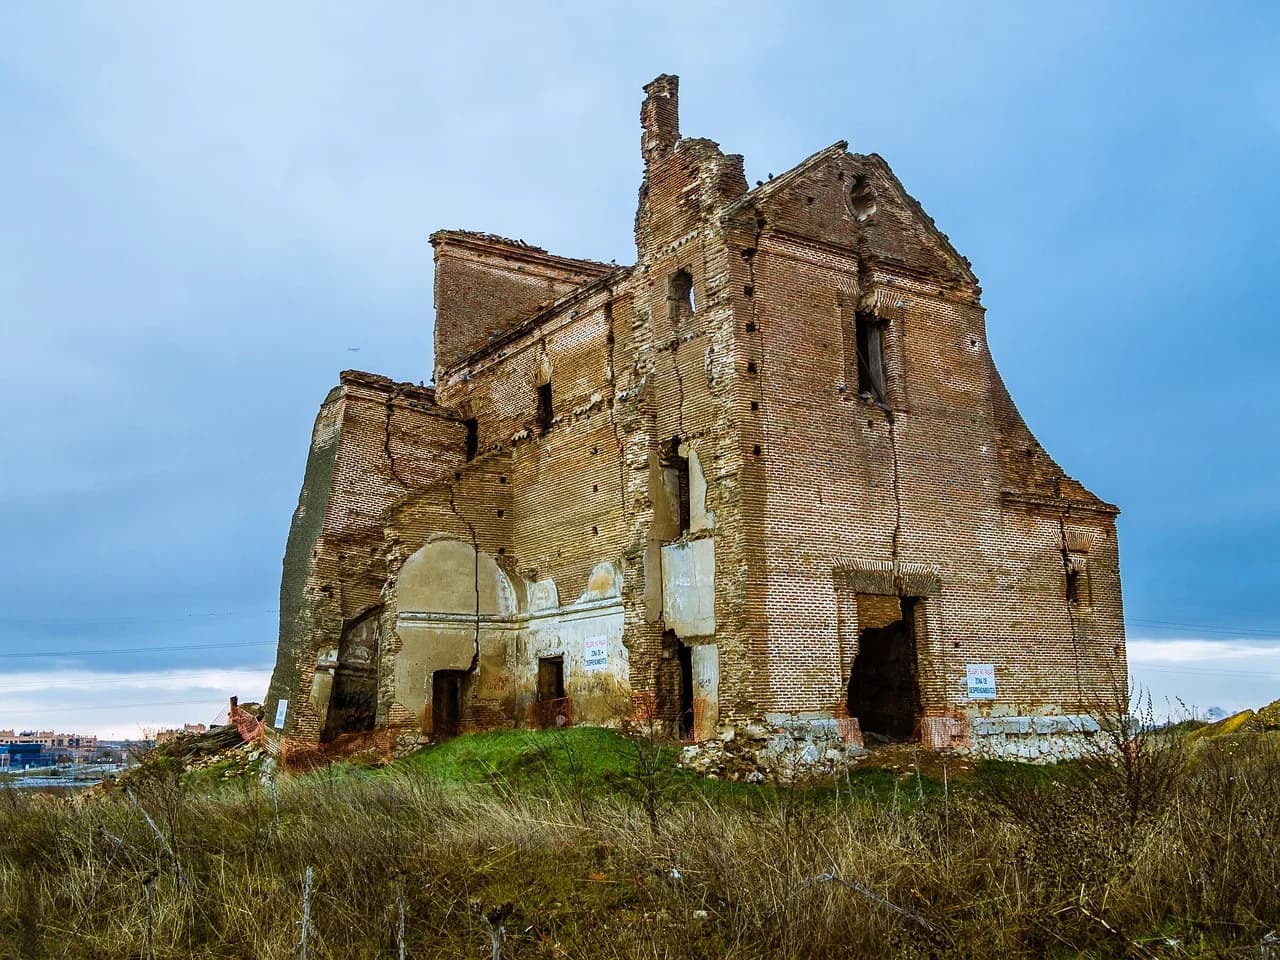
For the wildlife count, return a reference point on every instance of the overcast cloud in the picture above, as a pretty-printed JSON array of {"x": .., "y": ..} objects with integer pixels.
[{"x": 207, "y": 212}]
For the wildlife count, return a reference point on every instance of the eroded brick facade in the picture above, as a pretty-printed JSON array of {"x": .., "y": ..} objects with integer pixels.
[{"x": 768, "y": 472}]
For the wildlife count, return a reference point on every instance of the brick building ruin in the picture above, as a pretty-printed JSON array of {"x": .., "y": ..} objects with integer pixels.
[{"x": 768, "y": 476}]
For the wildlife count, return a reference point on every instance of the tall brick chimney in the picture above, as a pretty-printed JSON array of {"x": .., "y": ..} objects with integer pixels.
[{"x": 660, "y": 118}]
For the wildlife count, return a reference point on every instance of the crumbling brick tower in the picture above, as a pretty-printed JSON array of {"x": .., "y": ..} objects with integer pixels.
[{"x": 768, "y": 477}]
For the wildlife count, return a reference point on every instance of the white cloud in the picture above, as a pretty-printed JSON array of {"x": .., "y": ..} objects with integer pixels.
[
  {"x": 1231, "y": 674},
  {"x": 120, "y": 705}
]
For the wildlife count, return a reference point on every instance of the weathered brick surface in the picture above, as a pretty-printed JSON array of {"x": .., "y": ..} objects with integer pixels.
[{"x": 826, "y": 507}]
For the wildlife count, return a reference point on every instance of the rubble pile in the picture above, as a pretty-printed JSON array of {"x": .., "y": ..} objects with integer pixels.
[{"x": 783, "y": 751}]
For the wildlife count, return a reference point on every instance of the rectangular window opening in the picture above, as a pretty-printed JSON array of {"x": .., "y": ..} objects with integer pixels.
[
  {"x": 473, "y": 437},
  {"x": 869, "y": 338},
  {"x": 545, "y": 412},
  {"x": 1078, "y": 592},
  {"x": 680, "y": 298}
]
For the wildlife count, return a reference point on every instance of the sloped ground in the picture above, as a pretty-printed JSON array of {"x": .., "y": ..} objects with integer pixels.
[{"x": 1263, "y": 720}]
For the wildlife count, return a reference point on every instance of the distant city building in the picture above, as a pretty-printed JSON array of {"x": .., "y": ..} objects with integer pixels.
[
  {"x": 51, "y": 747},
  {"x": 23, "y": 756}
]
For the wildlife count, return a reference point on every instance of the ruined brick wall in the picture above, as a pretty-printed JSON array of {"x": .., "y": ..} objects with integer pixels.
[
  {"x": 564, "y": 486},
  {"x": 373, "y": 440},
  {"x": 917, "y": 482},
  {"x": 485, "y": 285},
  {"x": 820, "y": 512}
]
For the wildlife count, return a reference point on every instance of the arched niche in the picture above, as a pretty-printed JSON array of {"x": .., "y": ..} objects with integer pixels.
[{"x": 449, "y": 576}]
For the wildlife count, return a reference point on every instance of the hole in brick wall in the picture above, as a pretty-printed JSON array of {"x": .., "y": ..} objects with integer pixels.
[
  {"x": 502, "y": 551},
  {"x": 594, "y": 451},
  {"x": 756, "y": 449},
  {"x": 884, "y": 690},
  {"x": 862, "y": 199},
  {"x": 545, "y": 412},
  {"x": 457, "y": 474},
  {"x": 502, "y": 513},
  {"x": 685, "y": 657},
  {"x": 595, "y": 531},
  {"x": 668, "y": 682},
  {"x": 748, "y": 290},
  {"x": 595, "y": 488},
  {"x": 751, "y": 326},
  {"x": 748, "y": 253},
  {"x": 473, "y": 437},
  {"x": 973, "y": 343},
  {"x": 808, "y": 201},
  {"x": 502, "y": 479},
  {"x": 755, "y": 405},
  {"x": 871, "y": 424},
  {"x": 675, "y": 483},
  {"x": 751, "y": 366}
]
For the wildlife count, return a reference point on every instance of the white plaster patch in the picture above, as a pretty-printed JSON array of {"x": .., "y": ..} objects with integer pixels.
[{"x": 688, "y": 587}]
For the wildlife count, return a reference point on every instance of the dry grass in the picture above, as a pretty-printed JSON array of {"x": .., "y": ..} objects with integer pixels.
[{"x": 1030, "y": 863}]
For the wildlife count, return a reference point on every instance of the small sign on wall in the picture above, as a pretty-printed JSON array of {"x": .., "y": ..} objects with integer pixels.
[
  {"x": 981, "y": 681},
  {"x": 595, "y": 653},
  {"x": 281, "y": 710}
]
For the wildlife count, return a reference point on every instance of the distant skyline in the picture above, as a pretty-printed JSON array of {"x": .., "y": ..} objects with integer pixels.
[{"x": 207, "y": 213}]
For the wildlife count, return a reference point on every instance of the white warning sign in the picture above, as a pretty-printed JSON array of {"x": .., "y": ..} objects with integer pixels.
[
  {"x": 595, "y": 653},
  {"x": 981, "y": 681}
]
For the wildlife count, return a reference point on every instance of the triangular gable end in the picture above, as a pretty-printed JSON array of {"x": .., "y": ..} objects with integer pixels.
[{"x": 856, "y": 202}]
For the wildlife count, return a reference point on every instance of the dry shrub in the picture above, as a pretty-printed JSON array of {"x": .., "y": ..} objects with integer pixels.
[{"x": 1048, "y": 862}]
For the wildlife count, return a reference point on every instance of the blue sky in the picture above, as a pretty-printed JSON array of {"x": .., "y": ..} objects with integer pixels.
[{"x": 203, "y": 210}]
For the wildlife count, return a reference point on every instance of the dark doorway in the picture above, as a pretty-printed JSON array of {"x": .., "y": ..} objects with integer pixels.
[
  {"x": 884, "y": 689},
  {"x": 685, "y": 655},
  {"x": 353, "y": 701},
  {"x": 550, "y": 678},
  {"x": 353, "y": 704},
  {"x": 446, "y": 703}
]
